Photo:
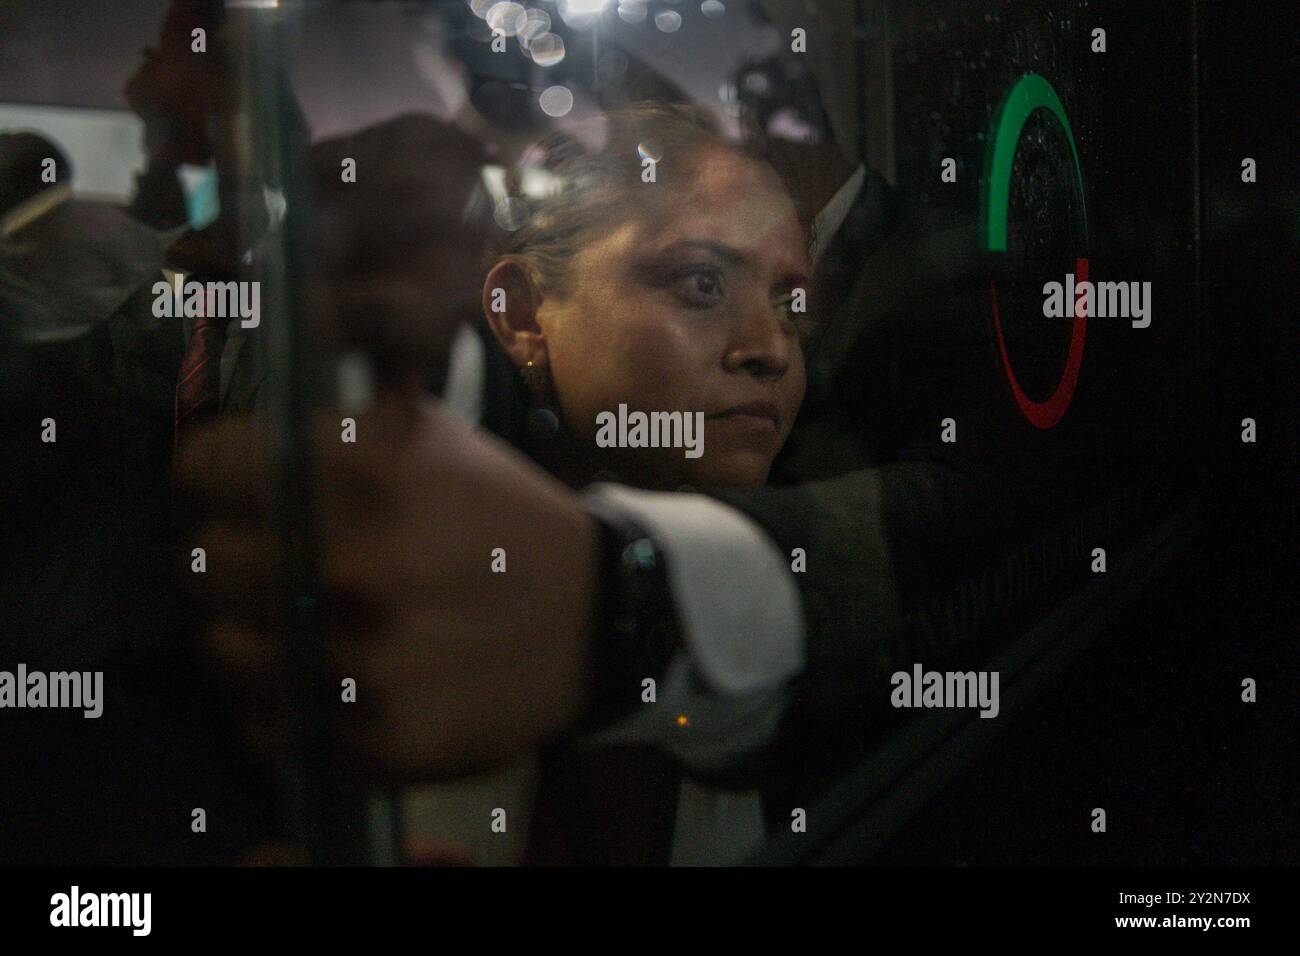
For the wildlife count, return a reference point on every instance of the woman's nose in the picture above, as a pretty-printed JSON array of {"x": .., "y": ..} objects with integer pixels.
[{"x": 760, "y": 344}]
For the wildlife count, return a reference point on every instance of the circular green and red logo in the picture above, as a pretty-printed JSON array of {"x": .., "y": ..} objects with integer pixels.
[{"x": 1033, "y": 208}]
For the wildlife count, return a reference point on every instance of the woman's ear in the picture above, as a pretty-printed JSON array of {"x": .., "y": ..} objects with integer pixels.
[{"x": 510, "y": 305}]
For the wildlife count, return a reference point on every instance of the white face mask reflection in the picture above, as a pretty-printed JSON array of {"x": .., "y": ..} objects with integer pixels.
[{"x": 199, "y": 186}]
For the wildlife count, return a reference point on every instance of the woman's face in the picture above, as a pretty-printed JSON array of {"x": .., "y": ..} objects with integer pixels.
[{"x": 687, "y": 309}]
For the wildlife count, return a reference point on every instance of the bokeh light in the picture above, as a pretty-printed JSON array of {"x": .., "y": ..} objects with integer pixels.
[
  {"x": 507, "y": 18},
  {"x": 538, "y": 22},
  {"x": 669, "y": 21},
  {"x": 511, "y": 213},
  {"x": 631, "y": 11},
  {"x": 546, "y": 50},
  {"x": 650, "y": 149},
  {"x": 556, "y": 101},
  {"x": 581, "y": 14}
]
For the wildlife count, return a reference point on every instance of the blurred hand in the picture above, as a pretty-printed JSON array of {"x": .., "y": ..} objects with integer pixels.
[
  {"x": 458, "y": 669},
  {"x": 397, "y": 265}
]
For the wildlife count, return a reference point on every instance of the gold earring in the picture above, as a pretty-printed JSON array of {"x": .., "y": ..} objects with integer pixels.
[{"x": 534, "y": 375}]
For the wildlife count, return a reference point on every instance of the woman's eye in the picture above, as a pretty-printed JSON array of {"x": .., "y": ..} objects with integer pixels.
[
  {"x": 798, "y": 322},
  {"x": 784, "y": 307},
  {"x": 702, "y": 287}
]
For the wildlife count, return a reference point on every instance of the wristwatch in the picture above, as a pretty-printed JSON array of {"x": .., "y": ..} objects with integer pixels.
[{"x": 637, "y": 631}]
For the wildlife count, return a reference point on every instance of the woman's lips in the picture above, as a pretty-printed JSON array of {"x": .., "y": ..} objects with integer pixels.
[{"x": 761, "y": 414}]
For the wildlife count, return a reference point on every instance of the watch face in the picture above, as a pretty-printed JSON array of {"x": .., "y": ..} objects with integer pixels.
[
  {"x": 641, "y": 555},
  {"x": 636, "y": 574}
]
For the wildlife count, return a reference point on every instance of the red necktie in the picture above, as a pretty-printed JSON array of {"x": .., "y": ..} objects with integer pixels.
[{"x": 198, "y": 384}]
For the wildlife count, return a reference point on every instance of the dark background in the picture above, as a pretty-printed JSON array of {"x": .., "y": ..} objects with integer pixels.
[{"x": 1148, "y": 723}]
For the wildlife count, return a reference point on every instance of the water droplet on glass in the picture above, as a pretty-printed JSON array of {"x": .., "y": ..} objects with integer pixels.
[
  {"x": 581, "y": 14},
  {"x": 507, "y": 18},
  {"x": 556, "y": 101},
  {"x": 669, "y": 21},
  {"x": 538, "y": 22},
  {"x": 511, "y": 213},
  {"x": 631, "y": 12},
  {"x": 546, "y": 50},
  {"x": 713, "y": 9}
]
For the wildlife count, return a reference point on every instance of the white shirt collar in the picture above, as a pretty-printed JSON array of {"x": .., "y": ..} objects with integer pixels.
[{"x": 827, "y": 222}]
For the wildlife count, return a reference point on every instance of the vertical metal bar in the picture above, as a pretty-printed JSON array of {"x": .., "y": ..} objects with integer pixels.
[
  {"x": 316, "y": 813},
  {"x": 332, "y": 822},
  {"x": 258, "y": 39}
]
